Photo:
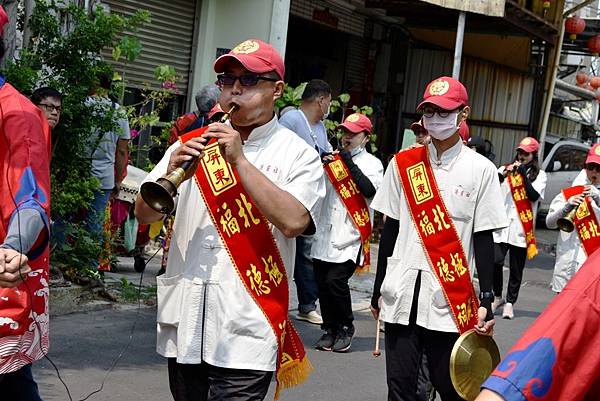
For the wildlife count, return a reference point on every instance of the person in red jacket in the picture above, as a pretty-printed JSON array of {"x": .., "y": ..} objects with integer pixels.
[
  {"x": 557, "y": 358},
  {"x": 24, "y": 221}
]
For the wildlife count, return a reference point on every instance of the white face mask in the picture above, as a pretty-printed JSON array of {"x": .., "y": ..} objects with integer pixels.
[
  {"x": 441, "y": 128},
  {"x": 326, "y": 113}
]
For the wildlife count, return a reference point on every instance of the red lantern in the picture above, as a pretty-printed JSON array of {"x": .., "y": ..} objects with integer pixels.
[
  {"x": 546, "y": 4},
  {"x": 595, "y": 82},
  {"x": 581, "y": 78},
  {"x": 594, "y": 44},
  {"x": 574, "y": 26}
]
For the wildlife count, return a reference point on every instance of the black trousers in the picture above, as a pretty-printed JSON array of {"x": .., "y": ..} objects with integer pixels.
[
  {"x": 205, "y": 382},
  {"x": 516, "y": 263},
  {"x": 404, "y": 348},
  {"x": 19, "y": 385},
  {"x": 334, "y": 292}
]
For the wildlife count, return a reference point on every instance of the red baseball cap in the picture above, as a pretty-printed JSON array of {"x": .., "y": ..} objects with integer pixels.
[
  {"x": 417, "y": 127},
  {"x": 463, "y": 131},
  {"x": 255, "y": 55},
  {"x": 446, "y": 93},
  {"x": 593, "y": 155},
  {"x": 356, "y": 123},
  {"x": 216, "y": 109},
  {"x": 529, "y": 145},
  {"x": 3, "y": 20}
]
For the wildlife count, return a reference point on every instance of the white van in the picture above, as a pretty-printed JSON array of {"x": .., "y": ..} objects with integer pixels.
[{"x": 563, "y": 161}]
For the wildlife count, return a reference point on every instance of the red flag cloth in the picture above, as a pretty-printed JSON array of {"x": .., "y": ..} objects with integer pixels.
[
  {"x": 25, "y": 148},
  {"x": 557, "y": 358}
]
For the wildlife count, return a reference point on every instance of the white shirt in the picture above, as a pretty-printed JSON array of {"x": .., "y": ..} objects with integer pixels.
[
  {"x": 469, "y": 186},
  {"x": 315, "y": 135},
  {"x": 569, "y": 250},
  {"x": 514, "y": 233},
  {"x": 205, "y": 312},
  {"x": 338, "y": 240}
]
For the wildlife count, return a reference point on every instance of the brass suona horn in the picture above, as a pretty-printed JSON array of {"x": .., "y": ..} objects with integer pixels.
[
  {"x": 159, "y": 194},
  {"x": 566, "y": 223}
]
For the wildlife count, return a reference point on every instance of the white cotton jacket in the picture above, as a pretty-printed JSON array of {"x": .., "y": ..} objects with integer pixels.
[
  {"x": 204, "y": 311},
  {"x": 337, "y": 239},
  {"x": 514, "y": 233},
  {"x": 469, "y": 186},
  {"x": 570, "y": 254}
]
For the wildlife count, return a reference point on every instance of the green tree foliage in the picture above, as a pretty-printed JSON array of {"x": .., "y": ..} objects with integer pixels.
[
  {"x": 293, "y": 97},
  {"x": 65, "y": 53}
]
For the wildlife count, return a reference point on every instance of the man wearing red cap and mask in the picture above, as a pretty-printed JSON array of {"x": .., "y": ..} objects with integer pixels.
[
  {"x": 24, "y": 221},
  {"x": 573, "y": 248},
  {"x": 523, "y": 186},
  {"x": 223, "y": 302},
  {"x": 341, "y": 243},
  {"x": 446, "y": 198}
]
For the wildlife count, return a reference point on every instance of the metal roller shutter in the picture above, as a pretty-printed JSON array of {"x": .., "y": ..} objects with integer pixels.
[{"x": 167, "y": 39}]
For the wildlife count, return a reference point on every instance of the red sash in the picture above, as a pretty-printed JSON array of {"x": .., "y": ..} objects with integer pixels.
[
  {"x": 586, "y": 223},
  {"x": 251, "y": 247},
  {"x": 355, "y": 203},
  {"x": 438, "y": 235},
  {"x": 523, "y": 205}
]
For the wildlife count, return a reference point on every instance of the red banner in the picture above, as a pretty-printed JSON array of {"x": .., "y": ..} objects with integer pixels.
[
  {"x": 251, "y": 246},
  {"x": 585, "y": 221},
  {"x": 524, "y": 210},
  {"x": 438, "y": 235},
  {"x": 355, "y": 203}
]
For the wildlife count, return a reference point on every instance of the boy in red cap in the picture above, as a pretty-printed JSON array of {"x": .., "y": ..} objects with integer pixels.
[
  {"x": 223, "y": 301},
  {"x": 339, "y": 245},
  {"x": 523, "y": 186},
  {"x": 446, "y": 198},
  {"x": 570, "y": 250},
  {"x": 25, "y": 181}
]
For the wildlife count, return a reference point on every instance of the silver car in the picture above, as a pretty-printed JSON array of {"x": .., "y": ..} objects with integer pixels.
[{"x": 564, "y": 159}]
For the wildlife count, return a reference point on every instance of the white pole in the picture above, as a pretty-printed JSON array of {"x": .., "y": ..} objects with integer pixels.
[{"x": 460, "y": 34}]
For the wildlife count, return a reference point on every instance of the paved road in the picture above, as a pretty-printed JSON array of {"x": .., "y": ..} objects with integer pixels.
[{"x": 84, "y": 346}]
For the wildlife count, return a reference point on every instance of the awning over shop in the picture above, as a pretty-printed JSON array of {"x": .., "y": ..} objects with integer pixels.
[{"x": 492, "y": 8}]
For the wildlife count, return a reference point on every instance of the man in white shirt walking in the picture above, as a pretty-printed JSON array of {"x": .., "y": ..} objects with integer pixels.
[
  {"x": 223, "y": 301},
  {"x": 444, "y": 200},
  {"x": 307, "y": 123},
  {"x": 342, "y": 240}
]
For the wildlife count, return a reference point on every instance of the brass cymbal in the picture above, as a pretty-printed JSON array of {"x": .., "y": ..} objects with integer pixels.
[{"x": 473, "y": 359}]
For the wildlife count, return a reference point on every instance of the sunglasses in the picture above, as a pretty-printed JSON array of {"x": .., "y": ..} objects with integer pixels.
[
  {"x": 245, "y": 79},
  {"x": 51, "y": 107},
  {"x": 429, "y": 111}
]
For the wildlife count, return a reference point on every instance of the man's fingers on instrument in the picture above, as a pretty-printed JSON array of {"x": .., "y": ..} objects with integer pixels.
[
  {"x": 11, "y": 277},
  {"x": 2, "y": 260}
]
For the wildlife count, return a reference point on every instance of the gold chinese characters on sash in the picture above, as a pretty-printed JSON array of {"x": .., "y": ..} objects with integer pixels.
[
  {"x": 254, "y": 254},
  {"x": 438, "y": 235},
  {"x": 355, "y": 203},
  {"x": 524, "y": 210},
  {"x": 585, "y": 221}
]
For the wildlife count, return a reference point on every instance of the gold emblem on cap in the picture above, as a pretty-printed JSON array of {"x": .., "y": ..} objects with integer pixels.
[
  {"x": 597, "y": 150},
  {"x": 248, "y": 46},
  {"x": 526, "y": 141},
  {"x": 353, "y": 118},
  {"x": 439, "y": 88}
]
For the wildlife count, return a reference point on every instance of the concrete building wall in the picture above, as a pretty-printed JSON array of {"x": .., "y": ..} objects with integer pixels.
[{"x": 225, "y": 23}]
